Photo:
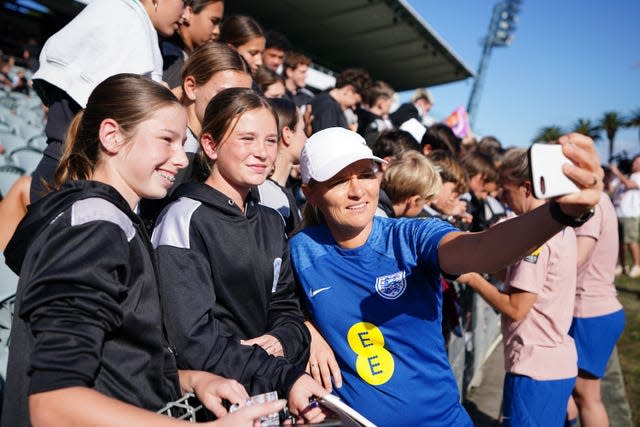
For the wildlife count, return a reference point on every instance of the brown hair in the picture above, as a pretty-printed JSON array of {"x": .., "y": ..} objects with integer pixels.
[
  {"x": 198, "y": 5},
  {"x": 129, "y": 99},
  {"x": 220, "y": 119},
  {"x": 293, "y": 59},
  {"x": 475, "y": 163},
  {"x": 286, "y": 111},
  {"x": 356, "y": 77},
  {"x": 515, "y": 166},
  {"x": 239, "y": 29},
  {"x": 440, "y": 137},
  {"x": 311, "y": 216},
  {"x": 265, "y": 77},
  {"x": 393, "y": 143},
  {"x": 210, "y": 59},
  {"x": 377, "y": 90},
  {"x": 449, "y": 169}
]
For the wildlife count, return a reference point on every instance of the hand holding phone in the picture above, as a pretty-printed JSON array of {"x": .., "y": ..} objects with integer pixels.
[{"x": 545, "y": 161}]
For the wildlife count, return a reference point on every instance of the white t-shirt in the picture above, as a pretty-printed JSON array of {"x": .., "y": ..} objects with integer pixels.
[
  {"x": 627, "y": 200},
  {"x": 107, "y": 37}
]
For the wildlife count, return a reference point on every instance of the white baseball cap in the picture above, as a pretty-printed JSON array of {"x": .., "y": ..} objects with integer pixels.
[{"x": 329, "y": 151}]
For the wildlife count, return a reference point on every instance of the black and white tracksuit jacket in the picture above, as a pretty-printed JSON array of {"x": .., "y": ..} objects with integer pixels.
[
  {"x": 87, "y": 307},
  {"x": 226, "y": 273}
]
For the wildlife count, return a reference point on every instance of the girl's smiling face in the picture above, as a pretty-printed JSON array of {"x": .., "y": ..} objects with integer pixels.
[
  {"x": 246, "y": 154},
  {"x": 146, "y": 164}
]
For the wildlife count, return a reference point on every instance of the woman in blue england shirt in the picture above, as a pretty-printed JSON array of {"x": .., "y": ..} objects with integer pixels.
[{"x": 371, "y": 284}]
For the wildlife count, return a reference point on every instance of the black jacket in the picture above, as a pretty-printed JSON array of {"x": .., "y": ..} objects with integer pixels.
[
  {"x": 404, "y": 112},
  {"x": 87, "y": 304},
  {"x": 327, "y": 113},
  {"x": 225, "y": 273}
]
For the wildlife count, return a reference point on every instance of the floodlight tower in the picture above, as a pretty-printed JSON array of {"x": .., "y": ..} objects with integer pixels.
[{"x": 501, "y": 29}]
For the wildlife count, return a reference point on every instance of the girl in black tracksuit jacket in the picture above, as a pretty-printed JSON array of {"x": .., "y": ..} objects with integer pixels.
[
  {"x": 87, "y": 330},
  {"x": 223, "y": 258},
  {"x": 86, "y": 283}
]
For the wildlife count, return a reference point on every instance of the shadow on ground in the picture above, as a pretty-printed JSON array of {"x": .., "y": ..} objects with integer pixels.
[{"x": 480, "y": 419}]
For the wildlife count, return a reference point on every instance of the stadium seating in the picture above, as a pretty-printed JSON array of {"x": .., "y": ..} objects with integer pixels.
[
  {"x": 8, "y": 285},
  {"x": 39, "y": 142},
  {"x": 11, "y": 141},
  {"x": 27, "y": 158}
]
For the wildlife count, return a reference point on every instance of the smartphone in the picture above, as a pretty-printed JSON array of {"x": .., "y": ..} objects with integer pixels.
[{"x": 545, "y": 161}]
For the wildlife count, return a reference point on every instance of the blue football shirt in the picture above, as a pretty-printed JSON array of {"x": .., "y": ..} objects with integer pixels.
[{"x": 379, "y": 307}]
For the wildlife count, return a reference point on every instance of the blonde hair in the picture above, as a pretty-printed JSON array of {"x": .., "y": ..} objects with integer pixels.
[{"x": 411, "y": 174}]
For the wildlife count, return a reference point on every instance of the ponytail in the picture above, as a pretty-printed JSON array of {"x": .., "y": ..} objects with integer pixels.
[{"x": 76, "y": 162}]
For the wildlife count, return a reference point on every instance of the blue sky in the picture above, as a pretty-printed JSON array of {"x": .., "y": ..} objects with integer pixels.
[{"x": 569, "y": 59}]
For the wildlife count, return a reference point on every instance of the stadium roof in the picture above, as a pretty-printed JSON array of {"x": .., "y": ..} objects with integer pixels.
[{"x": 387, "y": 37}]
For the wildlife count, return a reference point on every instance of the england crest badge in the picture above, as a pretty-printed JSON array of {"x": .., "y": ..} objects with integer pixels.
[{"x": 391, "y": 286}]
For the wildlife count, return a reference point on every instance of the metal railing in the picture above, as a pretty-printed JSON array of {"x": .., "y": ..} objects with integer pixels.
[{"x": 479, "y": 335}]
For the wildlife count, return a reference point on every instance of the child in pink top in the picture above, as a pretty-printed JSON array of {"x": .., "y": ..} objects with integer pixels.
[
  {"x": 598, "y": 316},
  {"x": 539, "y": 345},
  {"x": 537, "y": 307},
  {"x": 596, "y": 293}
]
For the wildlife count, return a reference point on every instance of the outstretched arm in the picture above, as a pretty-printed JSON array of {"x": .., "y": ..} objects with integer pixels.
[{"x": 512, "y": 240}]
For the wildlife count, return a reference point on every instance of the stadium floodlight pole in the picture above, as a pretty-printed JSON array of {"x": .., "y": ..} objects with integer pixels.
[{"x": 500, "y": 34}]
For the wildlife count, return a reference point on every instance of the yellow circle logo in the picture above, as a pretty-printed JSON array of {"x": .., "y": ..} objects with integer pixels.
[{"x": 374, "y": 364}]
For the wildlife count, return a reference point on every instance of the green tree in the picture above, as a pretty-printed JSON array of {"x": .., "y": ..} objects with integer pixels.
[
  {"x": 634, "y": 120},
  {"x": 610, "y": 123},
  {"x": 585, "y": 127},
  {"x": 548, "y": 134}
]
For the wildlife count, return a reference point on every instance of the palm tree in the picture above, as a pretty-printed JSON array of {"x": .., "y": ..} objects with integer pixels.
[
  {"x": 634, "y": 120},
  {"x": 548, "y": 134},
  {"x": 585, "y": 127},
  {"x": 610, "y": 123}
]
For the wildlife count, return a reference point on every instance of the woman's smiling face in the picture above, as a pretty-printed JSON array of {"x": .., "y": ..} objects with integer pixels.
[{"x": 349, "y": 199}]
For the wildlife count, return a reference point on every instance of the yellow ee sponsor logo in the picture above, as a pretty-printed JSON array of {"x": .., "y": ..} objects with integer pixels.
[{"x": 374, "y": 364}]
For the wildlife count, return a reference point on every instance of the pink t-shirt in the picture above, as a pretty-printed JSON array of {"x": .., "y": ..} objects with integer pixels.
[
  {"x": 596, "y": 293},
  {"x": 539, "y": 346}
]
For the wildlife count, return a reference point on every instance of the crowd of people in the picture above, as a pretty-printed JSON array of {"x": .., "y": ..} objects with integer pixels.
[{"x": 202, "y": 222}]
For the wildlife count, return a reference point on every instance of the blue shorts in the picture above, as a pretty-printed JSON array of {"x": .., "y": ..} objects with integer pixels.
[
  {"x": 531, "y": 403},
  {"x": 595, "y": 338}
]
